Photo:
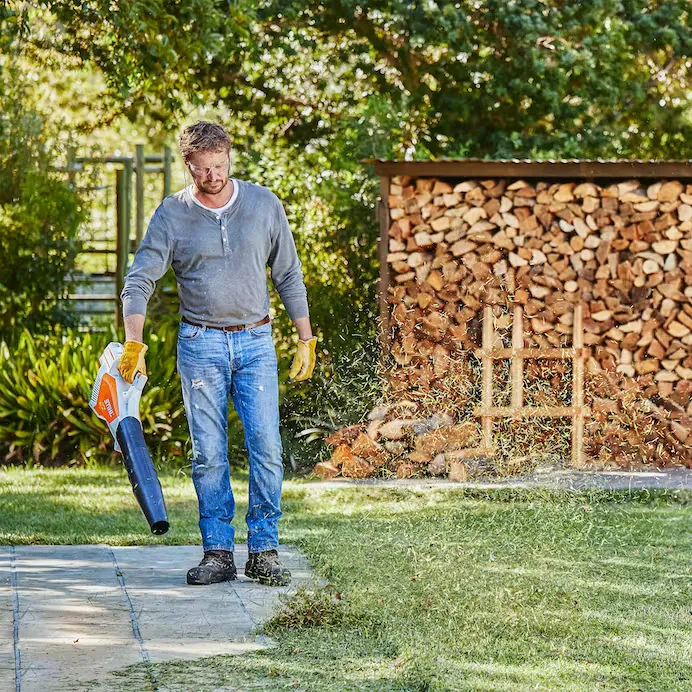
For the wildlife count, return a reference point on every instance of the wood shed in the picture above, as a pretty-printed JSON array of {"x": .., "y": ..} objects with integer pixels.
[{"x": 517, "y": 259}]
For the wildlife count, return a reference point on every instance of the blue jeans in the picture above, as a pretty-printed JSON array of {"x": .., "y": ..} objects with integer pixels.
[{"x": 213, "y": 363}]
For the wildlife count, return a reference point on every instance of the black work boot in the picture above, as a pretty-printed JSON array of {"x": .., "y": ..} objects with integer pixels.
[
  {"x": 216, "y": 566},
  {"x": 267, "y": 569}
]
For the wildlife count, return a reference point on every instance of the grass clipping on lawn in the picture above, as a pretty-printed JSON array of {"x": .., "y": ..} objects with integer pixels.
[{"x": 309, "y": 607}]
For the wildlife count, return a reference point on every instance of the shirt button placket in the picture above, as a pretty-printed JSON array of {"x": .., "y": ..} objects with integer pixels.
[{"x": 224, "y": 237}]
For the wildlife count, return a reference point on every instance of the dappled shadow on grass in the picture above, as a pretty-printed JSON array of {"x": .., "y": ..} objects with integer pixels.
[
  {"x": 97, "y": 506},
  {"x": 46, "y": 480},
  {"x": 60, "y": 522},
  {"x": 60, "y": 519}
]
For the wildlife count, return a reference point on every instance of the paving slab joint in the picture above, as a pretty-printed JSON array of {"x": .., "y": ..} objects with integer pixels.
[
  {"x": 15, "y": 620},
  {"x": 133, "y": 618}
]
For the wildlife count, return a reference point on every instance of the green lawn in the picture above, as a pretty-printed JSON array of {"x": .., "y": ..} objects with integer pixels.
[{"x": 442, "y": 590}]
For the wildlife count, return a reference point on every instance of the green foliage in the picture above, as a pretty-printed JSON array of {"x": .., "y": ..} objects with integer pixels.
[
  {"x": 485, "y": 78},
  {"x": 38, "y": 244},
  {"x": 40, "y": 213},
  {"x": 307, "y": 92},
  {"x": 45, "y": 386}
]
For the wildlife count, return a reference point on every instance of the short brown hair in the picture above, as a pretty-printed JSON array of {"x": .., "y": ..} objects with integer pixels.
[{"x": 203, "y": 136}]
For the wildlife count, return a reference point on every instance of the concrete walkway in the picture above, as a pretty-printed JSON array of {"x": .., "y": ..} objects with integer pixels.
[
  {"x": 549, "y": 477},
  {"x": 70, "y": 615}
]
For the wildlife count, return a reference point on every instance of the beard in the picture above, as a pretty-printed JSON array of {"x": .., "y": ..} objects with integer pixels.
[{"x": 209, "y": 188}]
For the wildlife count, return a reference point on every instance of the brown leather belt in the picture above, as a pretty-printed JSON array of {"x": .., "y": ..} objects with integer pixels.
[{"x": 231, "y": 328}]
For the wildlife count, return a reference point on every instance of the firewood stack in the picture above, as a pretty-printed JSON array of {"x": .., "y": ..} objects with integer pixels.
[{"x": 624, "y": 251}]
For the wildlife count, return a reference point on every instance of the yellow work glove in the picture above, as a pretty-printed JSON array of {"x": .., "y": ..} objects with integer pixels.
[
  {"x": 304, "y": 360},
  {"x": 132, "y": 360}
]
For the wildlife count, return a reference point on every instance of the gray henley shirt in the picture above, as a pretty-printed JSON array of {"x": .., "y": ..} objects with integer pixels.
[{"x": 220, "y": 262}]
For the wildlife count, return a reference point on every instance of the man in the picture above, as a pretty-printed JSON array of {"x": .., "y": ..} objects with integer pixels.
[{"x": 219, "y": 234}]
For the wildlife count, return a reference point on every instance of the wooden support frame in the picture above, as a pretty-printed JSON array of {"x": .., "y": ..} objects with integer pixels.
[{"x": 492, "y": 351}]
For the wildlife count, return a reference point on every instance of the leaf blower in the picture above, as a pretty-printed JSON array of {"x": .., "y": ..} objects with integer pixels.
[{"x": 116, "y": 402}]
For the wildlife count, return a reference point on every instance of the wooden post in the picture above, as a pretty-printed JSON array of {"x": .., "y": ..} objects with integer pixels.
[
  {"x": 487, "y": 391},
  {"x": 578, "y": 388},
  {"x": 139, "y": 194},
  {"x": 122, "y": 238},
  {"x": 382, "y": 250},
  {"x": 71, "y": 165},
  {"x": 517, "y": 362},
  {"x": 167, "y": 161},
  {"x": 128, "y": 170}
]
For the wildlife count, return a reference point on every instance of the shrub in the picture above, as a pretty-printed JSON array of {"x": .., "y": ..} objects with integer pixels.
[
  {"x": 38, "y": 244},
  {"x": 40, "y": 215},
  {"x": 45, "y": 386}
]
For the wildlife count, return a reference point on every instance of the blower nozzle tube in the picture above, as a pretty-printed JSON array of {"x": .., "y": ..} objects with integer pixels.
[{"x": 142, "y": 474}]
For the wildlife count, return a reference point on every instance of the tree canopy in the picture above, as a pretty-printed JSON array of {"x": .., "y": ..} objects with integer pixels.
[{"x": 423, "y": 79}]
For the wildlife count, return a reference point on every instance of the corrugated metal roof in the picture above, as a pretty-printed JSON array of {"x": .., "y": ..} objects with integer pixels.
[
  {"x": 536, "y": 168},
  {"x": 455, "y": 160}
]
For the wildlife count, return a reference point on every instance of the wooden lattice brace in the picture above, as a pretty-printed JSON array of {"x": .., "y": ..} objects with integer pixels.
[{"x": 492, "y": 350}]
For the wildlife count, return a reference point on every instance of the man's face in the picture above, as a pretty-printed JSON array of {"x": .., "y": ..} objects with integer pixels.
[{"x": 209, "y": 170}]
